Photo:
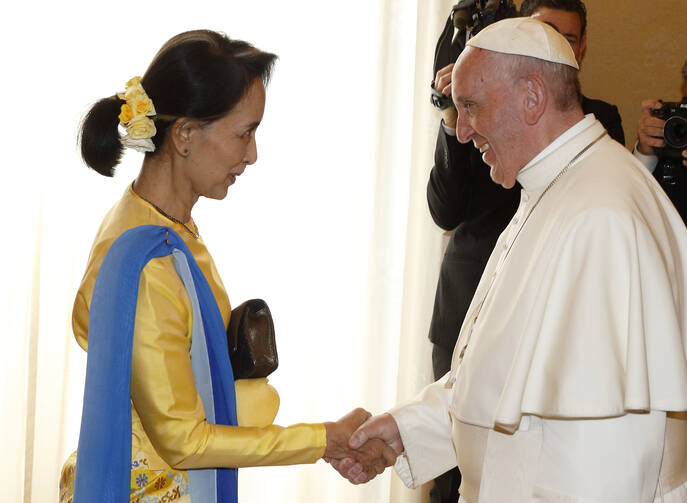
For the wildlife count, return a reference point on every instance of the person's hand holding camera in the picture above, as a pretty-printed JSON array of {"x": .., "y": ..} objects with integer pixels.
[
  {"x": 650, "y": 130},
  {"x": 442, "y": 83}
]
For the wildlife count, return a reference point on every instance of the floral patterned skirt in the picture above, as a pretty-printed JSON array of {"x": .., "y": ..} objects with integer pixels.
[{"x": 147, "y": 486}]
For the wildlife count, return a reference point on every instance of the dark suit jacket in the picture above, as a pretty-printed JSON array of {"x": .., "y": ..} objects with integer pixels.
[
  {"x": 607, "y": 115},
  {"x": 463, "y": 199}
]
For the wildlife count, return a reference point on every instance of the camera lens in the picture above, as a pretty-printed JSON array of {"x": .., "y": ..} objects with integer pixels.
[{"x": 675, "y": 132}]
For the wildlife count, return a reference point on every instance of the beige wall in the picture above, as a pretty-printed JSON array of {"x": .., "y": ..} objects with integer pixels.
[{"x": 635, "y": 50}]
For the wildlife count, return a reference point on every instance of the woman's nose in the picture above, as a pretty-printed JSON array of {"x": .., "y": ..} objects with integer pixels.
[{"x": 252, "y": 151}]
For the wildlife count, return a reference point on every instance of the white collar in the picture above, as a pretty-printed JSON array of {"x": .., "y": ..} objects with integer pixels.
[
  {"x": 569, "y": 133},
  {"x": 526, "y": 176}
]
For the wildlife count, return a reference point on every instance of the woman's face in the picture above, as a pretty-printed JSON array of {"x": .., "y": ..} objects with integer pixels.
[{"x": 221, "y": 150}]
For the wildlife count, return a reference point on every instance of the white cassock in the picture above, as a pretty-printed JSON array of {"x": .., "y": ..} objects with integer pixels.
[{"x": 574, "y": 346}]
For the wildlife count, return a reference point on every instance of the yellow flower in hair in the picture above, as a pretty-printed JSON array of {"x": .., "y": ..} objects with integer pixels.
[
  {"x": 140, "y": 128},
  {"x": 133, "y": 93},
  {"x": 142, "y": 105},
  {"x": 138, "y": 104},
  {"x": 134, "y": 117},
  {"x": 134, "y": 90},
  {"x": 126, "y": 114},
  {"x": 134, "y": 81}
]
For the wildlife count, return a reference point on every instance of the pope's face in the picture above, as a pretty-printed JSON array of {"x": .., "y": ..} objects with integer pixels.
[
  {"x": 567, "y": 24},
  {"x": 487, "y": 116}
]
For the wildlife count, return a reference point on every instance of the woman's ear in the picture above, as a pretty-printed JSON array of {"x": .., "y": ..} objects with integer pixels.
[
  {"x": 183, "y": 132},
  {"x": 536, "y": 99}
]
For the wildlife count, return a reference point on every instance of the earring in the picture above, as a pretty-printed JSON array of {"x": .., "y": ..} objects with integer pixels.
[{"x": 185, "y": 151}]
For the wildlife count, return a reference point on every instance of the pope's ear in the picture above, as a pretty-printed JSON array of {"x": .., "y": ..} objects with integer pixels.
[
  {"x": 183, "y": 132},
  {"x": 535, "y": 98}
]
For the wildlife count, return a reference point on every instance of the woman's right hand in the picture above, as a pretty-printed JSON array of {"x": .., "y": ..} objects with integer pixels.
[{"x": 370, "y": 459}]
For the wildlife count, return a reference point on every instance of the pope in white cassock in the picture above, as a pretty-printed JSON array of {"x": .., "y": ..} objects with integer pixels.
[{"x": 569, "y": 377}]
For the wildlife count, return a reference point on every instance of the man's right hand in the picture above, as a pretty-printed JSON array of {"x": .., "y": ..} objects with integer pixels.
[
  {"x": 442, "y": 83},
  {"x": 382, "y": 427},
  {"x": 650, "y": 129},
  {"x": 370, "y": 458}
]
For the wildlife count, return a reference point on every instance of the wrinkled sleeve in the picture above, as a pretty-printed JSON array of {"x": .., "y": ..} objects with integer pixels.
[
  {"x": 164, "y": 394},
  {"x": 426, "y": 431}
]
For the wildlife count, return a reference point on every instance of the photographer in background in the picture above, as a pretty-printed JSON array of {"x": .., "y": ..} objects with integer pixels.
[
  {"x": 463, "y": 199},
  {"x": 650, "y": 150}
]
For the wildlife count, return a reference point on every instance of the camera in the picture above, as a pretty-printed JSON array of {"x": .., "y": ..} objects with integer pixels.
[
  {"x": 467, "y": 18},
  {"x": 675, "y": 137},
  {"x": 675, "y": 128},
  {"x": 476, "y": 14}
]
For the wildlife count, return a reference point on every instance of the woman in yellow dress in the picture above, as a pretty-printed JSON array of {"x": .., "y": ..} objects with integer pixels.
[{"x": 194, "y": 113}]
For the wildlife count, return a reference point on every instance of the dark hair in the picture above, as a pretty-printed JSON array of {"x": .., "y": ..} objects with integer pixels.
[
  {"x": 529, "y": 6},
  {"x": 199, "y": 74}
]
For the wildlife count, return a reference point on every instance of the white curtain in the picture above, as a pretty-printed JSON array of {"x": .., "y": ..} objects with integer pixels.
[{"x": 330, "y": 226}]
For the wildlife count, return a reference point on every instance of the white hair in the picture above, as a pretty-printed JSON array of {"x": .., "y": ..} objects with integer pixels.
[{"x": 561, "y": 80}]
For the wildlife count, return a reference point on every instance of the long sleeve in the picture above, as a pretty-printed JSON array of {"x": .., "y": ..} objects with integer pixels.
[
  {"x": 165, "y": 398},
  {"x": 447, "y": 190},
  {"x": 426, "y": 432}
]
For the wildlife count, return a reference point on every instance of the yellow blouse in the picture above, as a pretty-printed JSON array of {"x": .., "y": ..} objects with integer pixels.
[{"x": 168, "y": 420}]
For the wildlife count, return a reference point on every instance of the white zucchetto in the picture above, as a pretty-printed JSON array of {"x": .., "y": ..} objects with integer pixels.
[{"x": 525, "y": 36}]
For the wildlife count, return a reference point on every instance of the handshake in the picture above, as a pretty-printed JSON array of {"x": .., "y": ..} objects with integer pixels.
[{"x": 360, "y": 446}]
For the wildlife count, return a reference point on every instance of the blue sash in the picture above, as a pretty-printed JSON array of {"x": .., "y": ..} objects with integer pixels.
[{"x": 103, "y": 468}]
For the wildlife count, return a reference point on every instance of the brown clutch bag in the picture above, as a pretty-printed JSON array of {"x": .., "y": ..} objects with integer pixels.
[{"x": 252, "y": 346}]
